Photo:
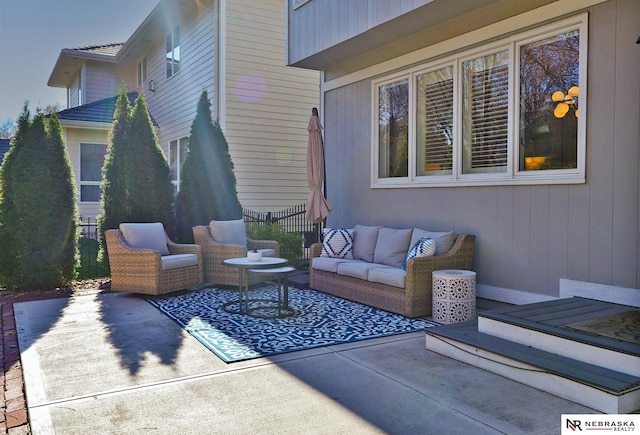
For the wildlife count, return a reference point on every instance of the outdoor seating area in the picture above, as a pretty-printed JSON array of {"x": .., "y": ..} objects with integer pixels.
[{"x": 387, "y": 268}]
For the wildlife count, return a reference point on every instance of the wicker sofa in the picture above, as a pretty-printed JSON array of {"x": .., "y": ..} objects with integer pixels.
[
  {"x": 151, "y": 267},
  {"x": 385, "y": 286}
]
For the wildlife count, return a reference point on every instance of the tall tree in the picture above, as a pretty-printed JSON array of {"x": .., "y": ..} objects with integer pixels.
[
  {"x": 148, "y": 178},
  {"x": 39, "y": 231},
  {"x": 62, "y": 204},
  {"x": 136, "y": 181},
  {"x": 114, "y": 206},
  {"x": 207, "y": 182}
]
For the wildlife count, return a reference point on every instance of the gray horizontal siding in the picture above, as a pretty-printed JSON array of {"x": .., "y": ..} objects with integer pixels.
[{"x": 528, "y": 237}]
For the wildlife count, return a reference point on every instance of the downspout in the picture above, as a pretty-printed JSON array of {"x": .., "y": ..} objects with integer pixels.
[{"x": 220, "y": 96}]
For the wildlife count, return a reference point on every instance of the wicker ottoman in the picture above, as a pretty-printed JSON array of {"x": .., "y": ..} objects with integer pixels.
[{"x": 454, "y": 296}]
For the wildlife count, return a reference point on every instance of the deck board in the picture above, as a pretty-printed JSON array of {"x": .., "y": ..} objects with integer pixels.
[{"x": 552, "y": 317}]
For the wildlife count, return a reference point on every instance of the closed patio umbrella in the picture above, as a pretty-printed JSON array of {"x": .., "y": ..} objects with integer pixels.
[{"x": 317, "y": 206}]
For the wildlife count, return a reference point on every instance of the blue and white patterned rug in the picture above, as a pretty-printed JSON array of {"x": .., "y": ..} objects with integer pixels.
[{"x": 320, "y": 320}]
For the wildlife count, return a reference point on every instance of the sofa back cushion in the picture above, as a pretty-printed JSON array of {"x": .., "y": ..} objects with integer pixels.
[
  {"x": 229, "y": 232},
  {"x": 392, "y": 246},
  {"x": 337, "y": 243},
  {"x": 364, "y": 242},
  {"x": 145, "y": 236},
  {"x": 444, "y": 239}
]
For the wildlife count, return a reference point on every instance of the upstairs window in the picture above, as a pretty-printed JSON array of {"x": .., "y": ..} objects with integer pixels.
[
  {"x": 178, "y": 150},
  {"x": 173, "y": 52},
  {"x": 508, "y": 113},
  {"x": 142, "y": 71}
]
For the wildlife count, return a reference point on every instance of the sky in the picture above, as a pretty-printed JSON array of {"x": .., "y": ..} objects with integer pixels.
[{"x": 33, "y": 32}]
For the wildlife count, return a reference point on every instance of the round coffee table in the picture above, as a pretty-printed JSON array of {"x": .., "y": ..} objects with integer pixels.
[{"x": 243, "y": 264}]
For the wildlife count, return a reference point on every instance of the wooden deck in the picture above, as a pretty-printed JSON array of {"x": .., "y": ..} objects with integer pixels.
[{"x": 552, "y": 317}]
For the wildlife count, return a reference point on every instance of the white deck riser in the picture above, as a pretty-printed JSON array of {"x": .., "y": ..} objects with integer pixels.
[
  {"x": 606, "y": 358},
  {"x": 550, "y": 383}
]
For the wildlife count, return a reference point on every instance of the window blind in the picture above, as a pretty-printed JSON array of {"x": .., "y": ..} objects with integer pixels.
[
  {"x": 438, "y": 126},
  {"x": 486, "y": 114}
]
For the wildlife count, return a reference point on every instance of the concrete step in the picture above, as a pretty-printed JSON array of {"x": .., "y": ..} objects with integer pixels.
[{"x": 602, "y": 389}]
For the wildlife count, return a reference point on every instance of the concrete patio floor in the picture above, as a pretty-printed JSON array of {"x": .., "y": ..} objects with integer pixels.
[{"x": 112, "y": 363}]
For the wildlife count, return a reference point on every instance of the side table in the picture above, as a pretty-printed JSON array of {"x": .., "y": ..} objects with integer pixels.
[
  {"x": 242, "y": 264},
  {"x": 454, "y": 296},
  {"x": 281, "y": 308}
]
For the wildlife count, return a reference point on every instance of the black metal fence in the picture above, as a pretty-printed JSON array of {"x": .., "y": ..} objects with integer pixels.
[
  {"x": 293, "y": 219},
  {"x": 88, "y": 247}
]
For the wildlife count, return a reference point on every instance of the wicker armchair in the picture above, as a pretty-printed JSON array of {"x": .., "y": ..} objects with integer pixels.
[
  {"x": 214, "y": 253},
  {"x": 140, "y": 270}
]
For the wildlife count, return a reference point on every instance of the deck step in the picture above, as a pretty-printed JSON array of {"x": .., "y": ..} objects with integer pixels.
[
  {"x": 544, "y": 326},
  {"x": 600, "y": 388}
]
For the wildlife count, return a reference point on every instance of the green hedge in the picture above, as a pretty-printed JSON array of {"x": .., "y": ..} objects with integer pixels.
[{"x": 290, "y": 243}]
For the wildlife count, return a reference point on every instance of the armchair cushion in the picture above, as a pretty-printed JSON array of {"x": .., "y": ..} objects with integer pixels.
[
  {"x": 178, "y": 260},
  {"x": 145, "y": 236},
  {"x": 229, "y": 232}
]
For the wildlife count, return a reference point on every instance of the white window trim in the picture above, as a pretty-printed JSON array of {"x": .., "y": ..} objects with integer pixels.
[
  {"x": 178, "y": 141},
  {"x": 512, "y": 176},
  {"x": 141, "y": 71}
]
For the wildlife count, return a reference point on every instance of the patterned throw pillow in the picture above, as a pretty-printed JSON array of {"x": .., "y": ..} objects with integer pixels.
[
  {"x": 337, "y": 243},
  {"x": 425, "y": 247}
]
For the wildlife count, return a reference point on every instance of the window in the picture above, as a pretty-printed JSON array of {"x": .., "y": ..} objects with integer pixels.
[
  {"x": 173, "y": 52},
  {"x": 507, "y": 113},
  {"x": 142, "y": 71},
  {"x": 393, "y": 128},
  {"x": 91, "y": 162},
  {"x": 178, "y": 150}
]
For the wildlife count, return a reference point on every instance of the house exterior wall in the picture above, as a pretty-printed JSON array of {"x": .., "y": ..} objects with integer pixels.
[
  {"x": 102, "y": 81},
  {"x": 528, "y": 237},
  {"x": 220, "y": 52},
  {"x": 174, "y": 102},
  {"x": 266, "y": 106}
]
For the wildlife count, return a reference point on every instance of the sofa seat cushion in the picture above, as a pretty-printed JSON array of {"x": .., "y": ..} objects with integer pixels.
[
  {"x": 388, "y": 275},
  {"x": 357, "y": 269},
  {"x": 145, "y": 236},
  {"x": 328, "y": 264},
  {"x": 177, "y": 261}
]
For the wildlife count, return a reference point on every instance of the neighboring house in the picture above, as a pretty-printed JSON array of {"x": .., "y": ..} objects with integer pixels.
[
  {"x": 235, "y": 50},
  {"x": 4, "y": 147},
  {"x": 442, "y": 115}
]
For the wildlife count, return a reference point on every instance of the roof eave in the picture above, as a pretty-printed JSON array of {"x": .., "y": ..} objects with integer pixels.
[{"x": 65, "y": 63}]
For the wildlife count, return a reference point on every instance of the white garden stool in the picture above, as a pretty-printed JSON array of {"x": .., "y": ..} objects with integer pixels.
[{"x": 454, "y": 296}]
